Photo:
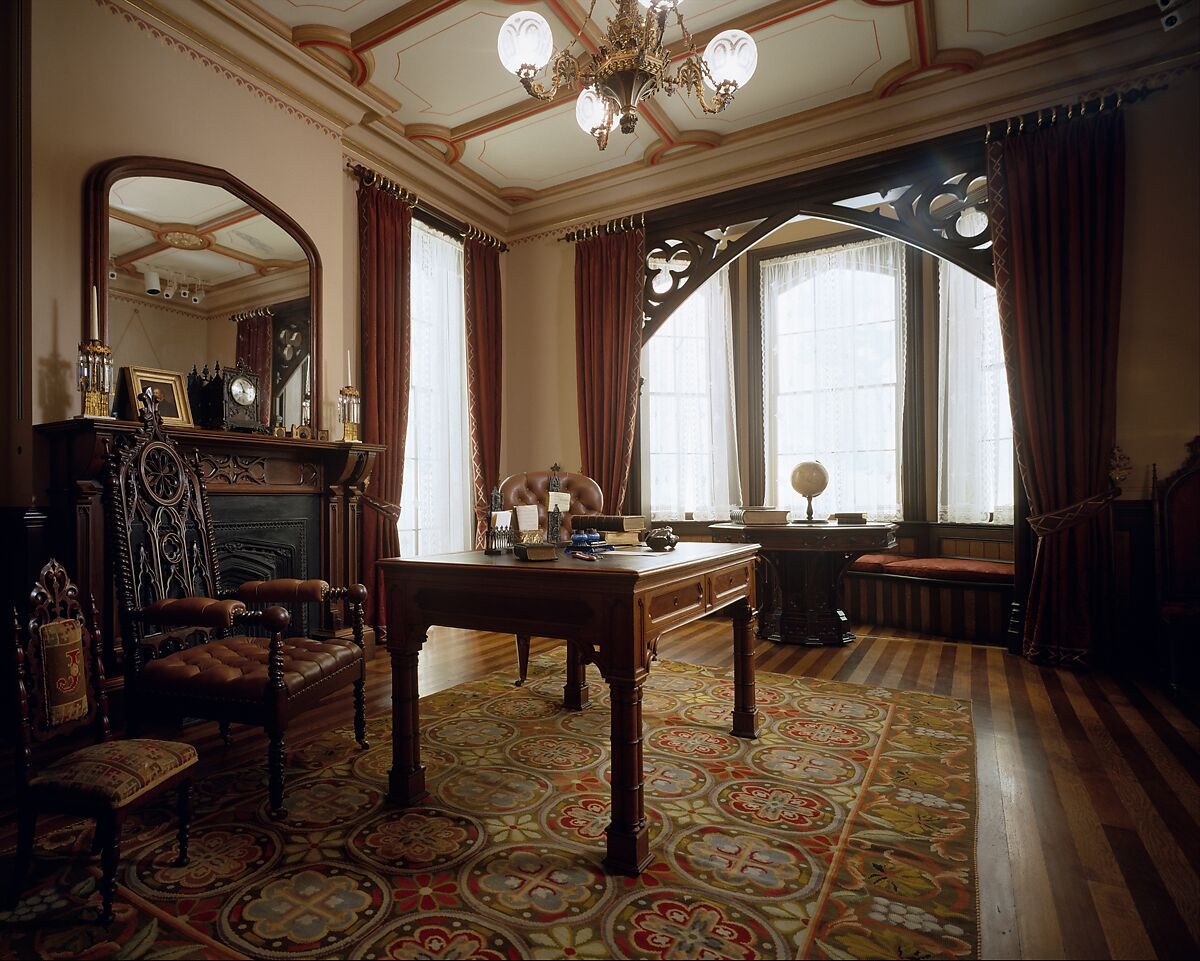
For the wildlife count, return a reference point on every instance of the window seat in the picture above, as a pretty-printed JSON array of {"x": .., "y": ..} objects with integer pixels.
[{"x": 956, "y": 597}]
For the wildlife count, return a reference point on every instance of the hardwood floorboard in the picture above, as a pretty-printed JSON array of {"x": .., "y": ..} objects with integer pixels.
[{"x": 1087, "y": 843}]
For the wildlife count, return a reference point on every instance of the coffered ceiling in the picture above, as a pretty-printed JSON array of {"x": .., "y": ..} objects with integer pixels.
[{"x": 430, "y": 69}]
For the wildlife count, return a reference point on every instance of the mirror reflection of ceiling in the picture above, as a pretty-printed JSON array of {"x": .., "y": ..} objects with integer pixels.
[
  {"x": 431, "y": 69},
  {"x": 194, "y": 232}
]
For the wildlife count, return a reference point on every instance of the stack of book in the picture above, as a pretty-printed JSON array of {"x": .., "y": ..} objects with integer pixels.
[
  {"x": 758, "y": 516},
  {"x": 619, "y": 530}
]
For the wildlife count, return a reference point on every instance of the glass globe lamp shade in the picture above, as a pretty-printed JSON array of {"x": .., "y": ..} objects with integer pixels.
[
  {"x": 732, "y": 57},
  {"x": 525, "y": 40},
  {"x": 592, "y": 111}
]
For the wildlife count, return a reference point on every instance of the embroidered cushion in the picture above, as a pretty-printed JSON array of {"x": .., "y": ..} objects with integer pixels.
[
  {"x": 64, "y": 693},
  {"x": 115, "y": 772}
]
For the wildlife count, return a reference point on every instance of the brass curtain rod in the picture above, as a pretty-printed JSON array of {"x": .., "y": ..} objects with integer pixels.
[
  {"x": 1049, "y": 116},
  {"x": 488, "y": 240},
  {"x": 618, "y": 226},
  {"x": 251, "y": 314},
  {"x": 372, "y": 178}
]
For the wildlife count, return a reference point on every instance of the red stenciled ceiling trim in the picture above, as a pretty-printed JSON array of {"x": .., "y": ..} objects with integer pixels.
[
  {"x": 360, "y": 65},
  {"x": 204, "y": 59}
]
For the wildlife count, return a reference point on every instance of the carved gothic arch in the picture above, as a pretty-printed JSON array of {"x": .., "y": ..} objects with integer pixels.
[{"x": 916, "y": 195}]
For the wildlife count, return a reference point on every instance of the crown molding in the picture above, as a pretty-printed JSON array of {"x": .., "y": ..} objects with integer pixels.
[{"x": 1011, "y": 86}]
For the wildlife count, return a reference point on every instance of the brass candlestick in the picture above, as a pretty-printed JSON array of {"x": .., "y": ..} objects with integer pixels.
[
  {"x": 95, "y": 378},
  {"x": 350, "y": 413}
]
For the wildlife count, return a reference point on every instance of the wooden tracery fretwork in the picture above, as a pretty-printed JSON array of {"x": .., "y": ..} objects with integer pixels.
[{"x": 917, "y": 197}]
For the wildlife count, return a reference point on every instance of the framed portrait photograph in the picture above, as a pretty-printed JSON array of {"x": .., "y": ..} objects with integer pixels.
[{"x": 169, "y": 389}]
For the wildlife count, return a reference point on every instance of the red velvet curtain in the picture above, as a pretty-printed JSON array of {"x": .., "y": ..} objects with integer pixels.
[
  {"x": 609, "y": 274},
  {"x": 384, "y": 272},
  {"x": 484, "y": 372},
  {"x": 1057, "y": 197},
  {"x": 254, "y": 342}
]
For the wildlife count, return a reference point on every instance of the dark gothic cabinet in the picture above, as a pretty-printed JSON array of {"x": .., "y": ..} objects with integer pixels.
[{"x": 281, "y": 508}]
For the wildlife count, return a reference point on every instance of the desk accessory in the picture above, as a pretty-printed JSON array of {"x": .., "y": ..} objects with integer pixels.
[
  {"x": 662, "y": 539},
  {"x": 588, "y": 545},
  {"x": 540, "y": 551},
  {"x": 810, "y": 478}
]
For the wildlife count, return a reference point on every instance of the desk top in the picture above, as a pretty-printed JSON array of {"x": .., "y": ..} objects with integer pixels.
[
  {"x": 622, "y": 564},
  {"x": 809, "y": 537}
]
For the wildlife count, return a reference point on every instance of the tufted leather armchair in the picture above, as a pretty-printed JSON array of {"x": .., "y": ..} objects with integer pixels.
[
  {"x": 534, "y": 487},
  {"x": 192, "y": 653}
]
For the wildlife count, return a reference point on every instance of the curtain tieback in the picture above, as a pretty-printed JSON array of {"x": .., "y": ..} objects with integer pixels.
[
  {"x": 1052, "y": 522},
  {"x": 381, "y": 507}
]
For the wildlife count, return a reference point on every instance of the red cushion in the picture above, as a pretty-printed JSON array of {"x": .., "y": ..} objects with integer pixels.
[
  {"x": 954, "y": 569},
  {"x": 874, "y": 563}
]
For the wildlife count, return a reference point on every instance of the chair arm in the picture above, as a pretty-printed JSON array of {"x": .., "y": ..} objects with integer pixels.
[
  {"x": 191, "y": 612},
  {"x": 288, "y": 590}
]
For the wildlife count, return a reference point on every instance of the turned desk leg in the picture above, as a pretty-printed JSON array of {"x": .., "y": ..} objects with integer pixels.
[
  {"x": 628, "y": 834},
  {"x": 575, "y": 691},
  {"x": 745, "y": 710},
  {"x": 407, "y": 779}
]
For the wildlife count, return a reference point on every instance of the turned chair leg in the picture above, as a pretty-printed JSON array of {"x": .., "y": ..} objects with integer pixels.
[
  {"x": 185, "y": 819},
  {"x": 109, "y": 858},
  {"x": 275, "y": 774},
  {"x": 360, "y": 713},
  {"x": 522, "y": 658},
  {"x": 26, "y": 830},
  {"x": 225, "y": 733}
]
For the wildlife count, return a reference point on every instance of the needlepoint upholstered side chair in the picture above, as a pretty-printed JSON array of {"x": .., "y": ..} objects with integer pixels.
[
  {"x": 59, "y": 679},
  {"x": 534, "y": 487},
  {"x": 188, "y": 653}
]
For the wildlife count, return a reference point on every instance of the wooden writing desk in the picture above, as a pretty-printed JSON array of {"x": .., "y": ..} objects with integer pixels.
[{"x": 611, "y": 612}]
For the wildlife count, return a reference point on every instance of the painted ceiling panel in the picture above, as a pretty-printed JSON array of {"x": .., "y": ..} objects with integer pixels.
[
  {"x": 988, "y": 26},
  {"x": 446, "y": 70},
  {"x": 165, "y": 200},
  {"x": 260, "y": 238},
  {"x": 123, "y": 237},
  {"x": 205, "y": 265},
  {"x": 548, "y": 149},
  {"x": 803, "y": 63},
  {"x": 344, "y": 14}
]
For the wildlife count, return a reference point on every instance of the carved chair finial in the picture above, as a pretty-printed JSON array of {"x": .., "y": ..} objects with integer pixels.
[{"x": 148, "y": 409}]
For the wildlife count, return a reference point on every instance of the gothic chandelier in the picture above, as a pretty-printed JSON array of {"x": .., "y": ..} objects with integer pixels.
[{"x": 630, "y": 66}]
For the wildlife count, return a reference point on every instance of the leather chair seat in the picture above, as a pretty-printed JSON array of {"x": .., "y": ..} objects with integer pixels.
[{"x": 235, "y": 668}]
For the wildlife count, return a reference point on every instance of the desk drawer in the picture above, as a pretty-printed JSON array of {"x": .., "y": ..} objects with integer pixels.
[
  {"x": 674, "y": 605},
  {"x": 729, "y": 584}
]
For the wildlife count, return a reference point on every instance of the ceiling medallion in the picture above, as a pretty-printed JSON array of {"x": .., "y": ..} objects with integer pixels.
[
  {"x": 630, "y": 66},
  {"x": 183, "y": 239}
]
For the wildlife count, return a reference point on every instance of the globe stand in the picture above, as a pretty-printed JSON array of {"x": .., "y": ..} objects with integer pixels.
[{"x": 809, "y": 519}]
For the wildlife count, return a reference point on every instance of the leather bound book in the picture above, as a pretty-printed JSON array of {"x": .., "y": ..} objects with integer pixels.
[
  {"x": 608, "y": 522},
  {"x": 754, "y": 516}
]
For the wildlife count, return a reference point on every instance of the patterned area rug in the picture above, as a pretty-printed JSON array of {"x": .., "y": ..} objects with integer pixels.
[{"x": 846, "y": 830}]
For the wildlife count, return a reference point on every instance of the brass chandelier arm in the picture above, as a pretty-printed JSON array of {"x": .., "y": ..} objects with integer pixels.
[
  {"x": 564, "y": 73},
  {"x": 690, "y": 76}
]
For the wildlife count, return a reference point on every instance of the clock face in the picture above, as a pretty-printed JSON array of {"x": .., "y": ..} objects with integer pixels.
[{"x": 243, "y": 391}]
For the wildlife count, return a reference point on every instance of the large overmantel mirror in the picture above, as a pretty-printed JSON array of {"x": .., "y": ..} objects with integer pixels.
[{"x": 194, "y": 268}]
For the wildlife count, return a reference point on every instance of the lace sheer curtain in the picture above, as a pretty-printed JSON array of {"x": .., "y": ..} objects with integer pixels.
[
  {"x": 975, "y": 444},
  {"x": 690, "y": 451},
  {"x": 435, "y": 506},
  {"x": 833, "y": 349}
]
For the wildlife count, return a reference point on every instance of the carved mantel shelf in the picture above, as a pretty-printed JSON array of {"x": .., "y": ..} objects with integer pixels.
[{"x": 330, "y": 477}]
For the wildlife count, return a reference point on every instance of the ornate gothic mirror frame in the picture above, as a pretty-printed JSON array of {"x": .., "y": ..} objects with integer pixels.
[
  {"x": 95, "y": 238},
  {"x": 925, "y": 188}
]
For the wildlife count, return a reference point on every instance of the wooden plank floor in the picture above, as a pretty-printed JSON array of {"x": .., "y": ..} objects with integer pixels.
[{"x": 1089, "y": 785}]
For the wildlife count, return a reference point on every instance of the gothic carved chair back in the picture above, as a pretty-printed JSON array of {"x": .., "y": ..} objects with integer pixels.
[
  {"x": 59, "y": 673},
  {"x": 160, "y": 521},
  {"x": 59, "y": 680}
]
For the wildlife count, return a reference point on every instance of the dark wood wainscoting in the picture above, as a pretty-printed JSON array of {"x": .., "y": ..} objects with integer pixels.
[{"x": 281, "y": 508}]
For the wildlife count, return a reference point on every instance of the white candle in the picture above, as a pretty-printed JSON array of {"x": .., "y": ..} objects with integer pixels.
[
  {"x": 95, "y": 326},
  {"x": 349, "y": 375}
]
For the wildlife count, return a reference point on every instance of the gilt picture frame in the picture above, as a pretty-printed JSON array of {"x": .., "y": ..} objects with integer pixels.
[{"x": 169, "y": 388}]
